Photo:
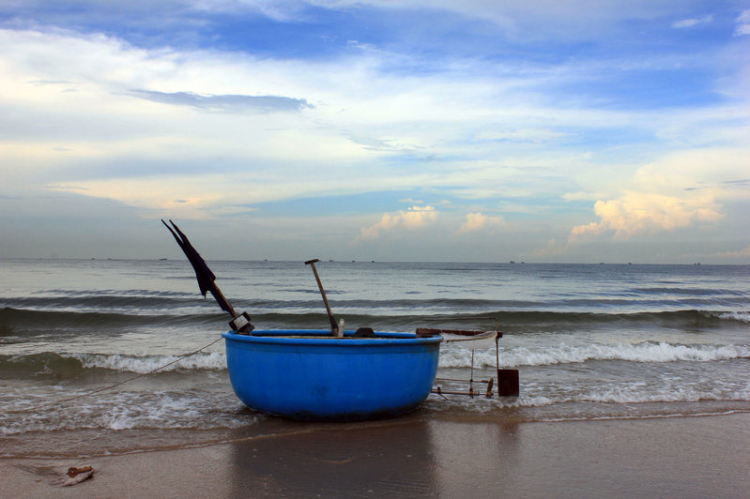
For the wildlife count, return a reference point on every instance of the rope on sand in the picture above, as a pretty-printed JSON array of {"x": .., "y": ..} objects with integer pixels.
[{"x": 99, "y": 390}]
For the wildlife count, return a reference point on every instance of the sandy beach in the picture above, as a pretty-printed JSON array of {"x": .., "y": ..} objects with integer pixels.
[{"x": 417, "y": 456}]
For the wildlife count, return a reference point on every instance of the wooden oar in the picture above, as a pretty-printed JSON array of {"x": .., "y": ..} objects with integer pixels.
[{"x": 334, "y": 327}]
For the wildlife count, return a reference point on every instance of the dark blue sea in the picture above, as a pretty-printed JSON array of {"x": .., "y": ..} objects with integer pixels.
[{"x": 590, "y": 341}]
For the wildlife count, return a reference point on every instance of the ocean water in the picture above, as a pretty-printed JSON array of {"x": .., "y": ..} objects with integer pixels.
[{"x": 590, "y": 341}]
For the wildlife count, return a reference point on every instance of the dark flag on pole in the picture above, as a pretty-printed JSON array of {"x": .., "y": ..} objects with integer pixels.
[
  {"x": 206, "y": 279},
  {"x": 204, "y": 275}
]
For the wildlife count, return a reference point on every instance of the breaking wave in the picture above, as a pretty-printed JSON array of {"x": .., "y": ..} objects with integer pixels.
[
  {"x": 735, "y": 316},
  {"x": 127, "y": 363},
  {"x": 69, "y": 365},
  {"x": 646, "y": 352},
  {"x": 25, "y": 322},
  {"x": 49, "y": 364}
]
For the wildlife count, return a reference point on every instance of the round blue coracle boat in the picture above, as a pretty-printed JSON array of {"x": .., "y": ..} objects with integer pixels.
[
  {"x": 310, "y": 375},
  {"x": 321, "y": 375}
]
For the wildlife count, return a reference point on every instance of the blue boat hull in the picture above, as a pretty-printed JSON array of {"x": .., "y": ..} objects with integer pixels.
[{"x": 309, "y": 375}]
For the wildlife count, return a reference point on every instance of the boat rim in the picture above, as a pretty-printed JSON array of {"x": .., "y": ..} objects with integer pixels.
[{"x": 323, "y": 337}]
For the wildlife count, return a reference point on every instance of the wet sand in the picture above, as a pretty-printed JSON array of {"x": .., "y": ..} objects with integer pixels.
[{"x": 420, "y": 457}]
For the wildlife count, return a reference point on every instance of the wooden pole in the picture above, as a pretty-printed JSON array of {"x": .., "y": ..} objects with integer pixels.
[{"x": 334, "y": 327}]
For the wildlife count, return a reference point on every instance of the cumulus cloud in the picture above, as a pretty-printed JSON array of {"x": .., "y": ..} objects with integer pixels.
[
  {"x": 680, "y": 190},
  {"x": 415, "y": 217},
  {"x": 477, "y": 221},
  {"x": 648, "y": 213},
  {"x": 743, "y": 24},
  {"x": 690, "y": 23}
]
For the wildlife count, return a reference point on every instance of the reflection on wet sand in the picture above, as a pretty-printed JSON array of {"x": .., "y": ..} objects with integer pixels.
[
  {"x": 473, "y": 455},
  {"x": 408, "y": 457},
  {"x": 377, "y": 459}
]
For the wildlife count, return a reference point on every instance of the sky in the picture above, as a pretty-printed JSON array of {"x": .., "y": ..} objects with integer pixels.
[{"x": 443, "y": 130}]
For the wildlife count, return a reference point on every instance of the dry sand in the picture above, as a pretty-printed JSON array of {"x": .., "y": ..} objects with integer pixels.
[{"x": 419, "y": 457}]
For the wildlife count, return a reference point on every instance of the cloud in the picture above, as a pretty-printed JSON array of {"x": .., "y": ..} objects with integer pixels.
[
  {"x": 743, "y": 253},
  {"x": 522, "y": 20},
  {"x": 647, "y": 213},
  {"x": 743, "y": 24},
  {"x": 690, "y": 23},
  {"x": 553, "y": 248},
  {"x": 682, "y": 189},
  {"x": 389, "y": 119},
  {"x": 477, "y": 221},
  {"x": 381, "y": 144},
  {"x": 225, "y": 103},
  {"x": 582, "y": 196},
  {"x": 201, "y": 22},
  {"x": 415, "y": 217},
  {"x": 530, "y": 135}
]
